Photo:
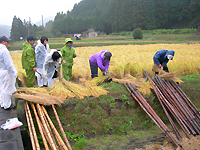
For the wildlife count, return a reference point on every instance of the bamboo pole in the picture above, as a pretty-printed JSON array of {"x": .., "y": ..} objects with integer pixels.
[
  {"x": 40, "y": 127},
  {"x": 54, "y": 129},
  {"x": 52, "y": 144},
  {"x": 51, "y": 133},
  {"x": 61, "y": 128},
  {"x": 174, "y": 112},
  {"x": 33, "y": 128},
  {"x": 147, "y": 108},
  {"x": 29, "y": 127}
]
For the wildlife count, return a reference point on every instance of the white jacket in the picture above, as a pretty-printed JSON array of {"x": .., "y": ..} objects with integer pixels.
[
  {"x": 40, "y": 54},
  {"x": 6, "y": 62},
  {"x": 49, "y": 65}
]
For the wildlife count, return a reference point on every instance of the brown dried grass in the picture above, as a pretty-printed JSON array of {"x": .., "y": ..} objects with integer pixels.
[{"x": 38, "y": 97}]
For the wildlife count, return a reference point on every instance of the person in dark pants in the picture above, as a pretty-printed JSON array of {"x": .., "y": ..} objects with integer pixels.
[
  {"x": 100, "y": 60},
  {"x": 162, "y": 57}
]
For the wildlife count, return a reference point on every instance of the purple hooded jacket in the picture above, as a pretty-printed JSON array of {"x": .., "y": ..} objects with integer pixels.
[{"x": 98, "y": 59}]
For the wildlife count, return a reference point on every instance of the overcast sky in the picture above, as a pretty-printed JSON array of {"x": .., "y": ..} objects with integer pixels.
[{"x": 34, "y": 9}]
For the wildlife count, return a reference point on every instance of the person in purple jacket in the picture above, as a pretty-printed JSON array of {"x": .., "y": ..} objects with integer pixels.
[{"x": 101, "y": 60}]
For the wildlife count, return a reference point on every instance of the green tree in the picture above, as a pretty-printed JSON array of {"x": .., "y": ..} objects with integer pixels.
[
  {"x": 18, "y": 29},
  {"x": 137, "y": 33},
  {"x": 58, "y": 34}
]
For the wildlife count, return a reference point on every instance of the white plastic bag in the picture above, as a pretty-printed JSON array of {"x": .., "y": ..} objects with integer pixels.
[{"x": 11, "y": 124}]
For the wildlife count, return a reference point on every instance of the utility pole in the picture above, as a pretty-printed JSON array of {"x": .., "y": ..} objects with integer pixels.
[
  {"x": 42, "y": 25},
  {"x": 29, "y": 22}
]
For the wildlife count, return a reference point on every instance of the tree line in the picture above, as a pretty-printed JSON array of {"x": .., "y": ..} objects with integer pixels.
[{"x": 120, "y": 15}]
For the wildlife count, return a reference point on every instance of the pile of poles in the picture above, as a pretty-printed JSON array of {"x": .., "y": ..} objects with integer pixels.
[
  {"x": 173, "y": 100},
  {"x": 178, "y": 104},
  {"x": 150, "y": 112},
  {"x": 50, "y": 136}
]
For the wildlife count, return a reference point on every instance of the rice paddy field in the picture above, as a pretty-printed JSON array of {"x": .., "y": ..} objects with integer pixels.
[{"x": 132, "y": 59}]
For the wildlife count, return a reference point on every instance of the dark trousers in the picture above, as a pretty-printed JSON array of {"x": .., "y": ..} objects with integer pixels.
[
  {"x": 164, "y": 69},
  {"x": 94, "y": 70}
]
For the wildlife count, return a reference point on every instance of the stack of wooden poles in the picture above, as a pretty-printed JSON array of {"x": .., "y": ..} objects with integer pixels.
[
  {"x": 49, "y": 133},
  {"x": 151, "y": 113},
  {"x": 179, "y": 105}
]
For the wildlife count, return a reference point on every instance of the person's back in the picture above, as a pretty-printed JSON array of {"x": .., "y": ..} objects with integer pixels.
[{"x": 101, "y": 60}]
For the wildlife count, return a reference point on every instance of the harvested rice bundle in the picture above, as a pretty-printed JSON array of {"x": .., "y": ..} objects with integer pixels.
[
  {"x": 29, "y": 90},
  {"x": 142, "y": 85},
  {"x": 145, "y": 87},
  {"x": 98, "y": 80},
  {"x": 170, "y": 76},
  {"x": 61, "y": 91},
  {"x": 79, "y": 90},
  {"x": 93, "y": 89},
  {"x": 165, "y": 75},
  {"x": 38, "y": 97}
]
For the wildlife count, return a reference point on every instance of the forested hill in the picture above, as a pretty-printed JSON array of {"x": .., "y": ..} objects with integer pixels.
[{"x": 125, "y": 15}]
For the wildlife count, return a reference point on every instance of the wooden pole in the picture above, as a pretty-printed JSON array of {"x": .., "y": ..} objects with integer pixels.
[
  {"x": 41, "y": 114},
  {"x": 40, "y": 128},
  {"x": 54, "y": 129},
  {"x": 29, "y": 127},
  {"x": 45, "y": 119},
  {"x": 33, "y": 128},
  {"x": 61, "y": 128}
]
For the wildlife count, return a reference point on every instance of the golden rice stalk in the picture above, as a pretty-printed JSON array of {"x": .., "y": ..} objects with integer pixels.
[
  {"x": 170, "y": 76},
  {"x": 38, "y": 97},
  {"x": 142, "y": 85},
  {"x": 22, "y": 75},
  {"x": 27, "y": 90},
  {"x": 61, "y": 91},
  {"x": 79, "y": 90},
  {"x": 93, "y": 89},
  {"x": 101, "y": 79}
]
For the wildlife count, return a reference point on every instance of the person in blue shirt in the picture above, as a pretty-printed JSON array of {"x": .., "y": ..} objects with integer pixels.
[{"x": 162, "y": 57}]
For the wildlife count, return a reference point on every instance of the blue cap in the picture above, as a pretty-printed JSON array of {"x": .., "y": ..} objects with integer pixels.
[
  {"x": 30, "y": 38},
  {"x": 5, "y": 39}
]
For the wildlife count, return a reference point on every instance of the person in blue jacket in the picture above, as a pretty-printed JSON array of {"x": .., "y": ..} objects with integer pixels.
[{"x": 162, "y": 57}]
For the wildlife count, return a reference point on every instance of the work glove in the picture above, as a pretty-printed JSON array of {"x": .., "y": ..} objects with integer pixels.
[
  {"x": 105, "y": 73},
  {"x": 19, "y": 78}
]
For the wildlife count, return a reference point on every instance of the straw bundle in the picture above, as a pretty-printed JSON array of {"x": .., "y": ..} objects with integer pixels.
[
  {"x": 93, "y": 89},
  {"x": 171, "y": 76},
  {"x": 60, "y": 90},
  {"x": 79, "y": 90},
  {"x": 142, "y": 85},
  {"x": 30, "y": 90},
  {"x": 38, "y": 97}
]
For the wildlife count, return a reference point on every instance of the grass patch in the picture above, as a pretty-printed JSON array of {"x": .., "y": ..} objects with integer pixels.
[
  {"x": 115, "y": 121},
  {"x": 107, "y": 40}
]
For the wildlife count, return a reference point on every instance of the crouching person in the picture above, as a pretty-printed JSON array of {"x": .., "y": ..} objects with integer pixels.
[
  {"x": 101, "y": 60},
  {"x": 50, "y": 67},
  {"x": 161, "y": 58}
]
